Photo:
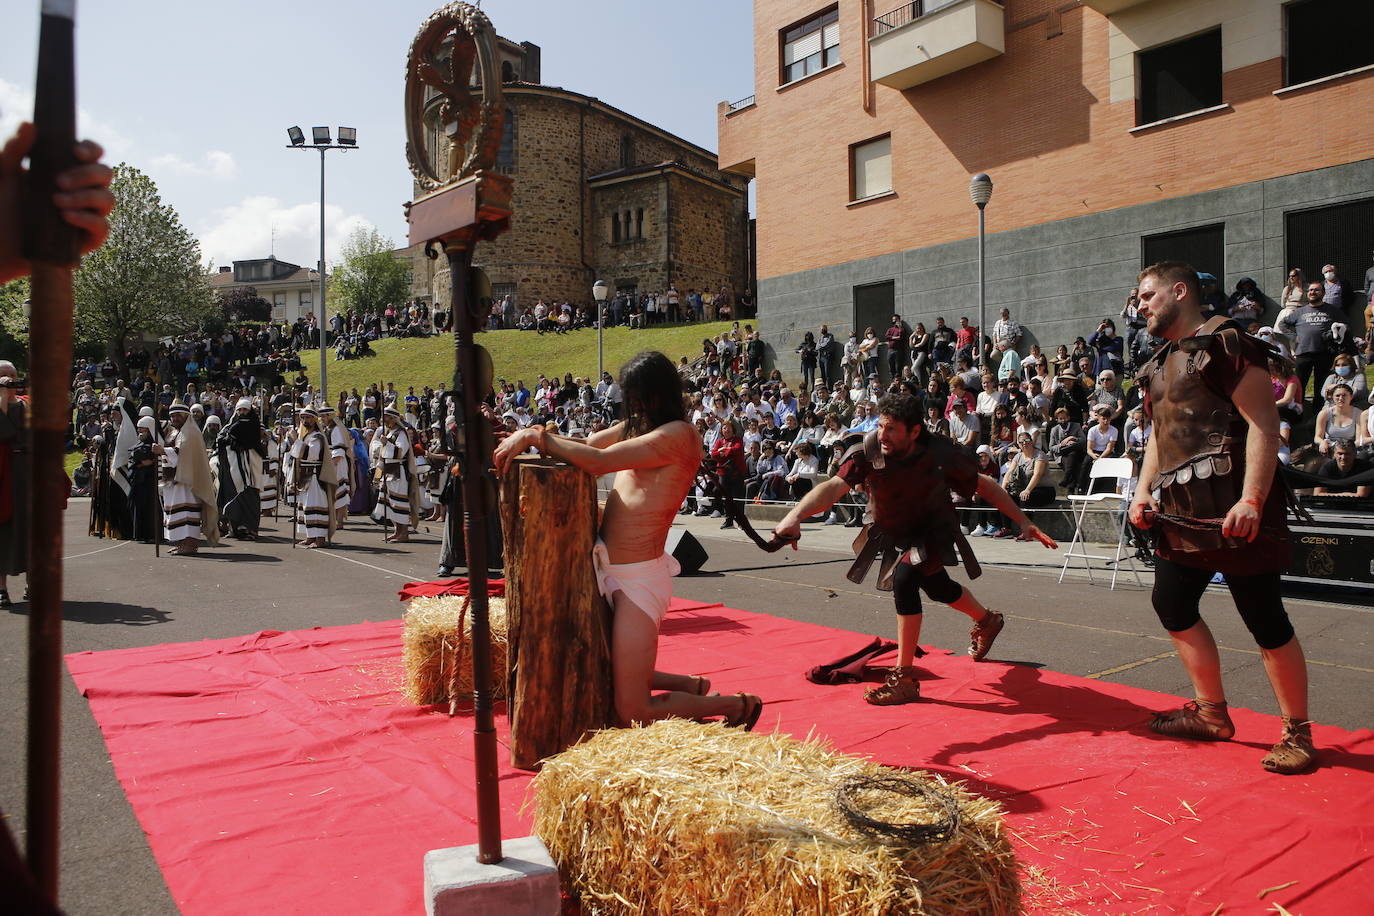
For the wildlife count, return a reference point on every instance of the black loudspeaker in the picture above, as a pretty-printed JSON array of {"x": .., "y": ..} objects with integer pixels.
[{"x": 687, "y": 550}]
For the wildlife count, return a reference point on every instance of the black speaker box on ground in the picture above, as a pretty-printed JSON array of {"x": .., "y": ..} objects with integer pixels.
[{"x": 687, "y": 550}]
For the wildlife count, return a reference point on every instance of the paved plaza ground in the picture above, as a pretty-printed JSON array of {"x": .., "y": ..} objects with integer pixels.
[{"x": 120, "y": 596}]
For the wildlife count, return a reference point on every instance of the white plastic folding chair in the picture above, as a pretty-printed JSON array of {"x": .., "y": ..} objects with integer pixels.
[{"x": 1119, "y": 470}]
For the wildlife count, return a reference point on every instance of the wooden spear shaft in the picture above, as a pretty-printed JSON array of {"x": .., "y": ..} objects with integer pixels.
[
  {"x": 53, "y": 248},
  {"x": 475, "y": 528}
]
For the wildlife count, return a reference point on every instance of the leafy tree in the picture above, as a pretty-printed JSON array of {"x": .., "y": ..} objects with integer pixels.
[
  {"x": 369, "y": 276},
  {"x": 147, "y": 278},
  {"x": 14, "y": 327},
  {"x": 244, "y": 304}
]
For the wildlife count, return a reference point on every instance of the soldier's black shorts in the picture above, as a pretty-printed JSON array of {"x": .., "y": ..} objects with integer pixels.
[
  {"x": 1258, "y": 599},
  {"x": 908, "y": 582}
]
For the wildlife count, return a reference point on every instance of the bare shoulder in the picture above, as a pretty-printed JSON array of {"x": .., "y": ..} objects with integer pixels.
[{"x": 677, "y": 436}]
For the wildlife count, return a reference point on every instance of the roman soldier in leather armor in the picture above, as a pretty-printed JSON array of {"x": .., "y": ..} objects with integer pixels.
[
  {"x": 909, "y": 474},
  {"x": 1210, "y": 486}
]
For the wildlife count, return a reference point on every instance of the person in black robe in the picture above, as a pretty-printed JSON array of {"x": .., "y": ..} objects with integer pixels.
[
  {"x": 241, "y": 448},
  {"x": 145, "y": 509}
]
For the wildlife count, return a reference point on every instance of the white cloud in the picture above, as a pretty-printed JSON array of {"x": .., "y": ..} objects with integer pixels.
[
  {"x": 245, "y": 231},
  {"x": 215, "y": 164},
  {"x": 16, "y": 104}
]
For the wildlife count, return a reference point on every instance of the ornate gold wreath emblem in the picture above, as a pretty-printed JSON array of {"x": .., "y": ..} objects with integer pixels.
[{"x": 450, "y": 43}]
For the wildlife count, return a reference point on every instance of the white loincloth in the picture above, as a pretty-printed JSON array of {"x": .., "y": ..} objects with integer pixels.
[{"x": 647, "y": 584}]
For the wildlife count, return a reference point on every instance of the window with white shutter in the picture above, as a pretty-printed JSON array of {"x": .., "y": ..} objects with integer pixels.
[
  {"x": 871, "y": 167},
  {"x": 811, "y": 45}
]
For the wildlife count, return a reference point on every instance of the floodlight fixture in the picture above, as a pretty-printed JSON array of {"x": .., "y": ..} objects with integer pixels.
[
  {"x": 348, "y": 136},
  {"x": 321, "y": 135},
  {"x": 297, "y": 136}
]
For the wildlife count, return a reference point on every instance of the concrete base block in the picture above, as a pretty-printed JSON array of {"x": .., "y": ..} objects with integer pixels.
[{"x": 524, "y": 883}]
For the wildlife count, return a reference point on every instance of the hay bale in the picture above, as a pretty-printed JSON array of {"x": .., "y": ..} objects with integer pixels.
[
  {"x": 680, "y": 817},
  {"x": 429, "y": 648}
]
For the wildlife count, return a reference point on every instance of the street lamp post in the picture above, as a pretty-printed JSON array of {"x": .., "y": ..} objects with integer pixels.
[
  {"x": 348, "y": 139},
  {"x": 980, "y": 190},
  {"x": 600, "y": 289}
]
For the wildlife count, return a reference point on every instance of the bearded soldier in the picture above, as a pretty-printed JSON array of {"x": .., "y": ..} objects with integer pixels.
[
  {"x": 393, "y": 460},
  {"x": 188, "y": 493},
  {"x": 313, "y": 480},
  {"x": 241, "y": 450},
  {"x": 1209, "y": 485},
  {"x": 341, "y": 449}
]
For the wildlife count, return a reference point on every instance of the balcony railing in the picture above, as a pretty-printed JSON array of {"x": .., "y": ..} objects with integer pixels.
[
  {"x": 907, "y": 12},
  {"x": 898, "y": 17},
  {"x": 740, "y": 105}
]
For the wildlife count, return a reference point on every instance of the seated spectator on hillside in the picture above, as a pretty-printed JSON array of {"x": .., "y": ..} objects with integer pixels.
[
  {"x": 1028, "y": 422},
  {"x": 1071, "y": 397},
  {"x": 1246, "y": 304},
  {"x": 1108, "y": 347},
  {"x": 1025, "y": 482},
  {"x": 829, "y": 445},
  {"x": 767, "y": 482},
  {"x": 1009, "y": 363},
  {"x": 936, "y": 424},
  {"x": 976, "y": 517},
  {"x": 1345, "y": 371},
  {"x": 1343, "y": 464},
  {"x": 1139, "y": 428},
  {"x": 963, "y": 425},
  {"x": 993, "y": 395},
  {"x": 1103, "y": 437},
  {"x": 1276, "y": 340},
  {"x": 1340, "y": 421},
  {"x": 1002, "y": 440},
  {"x": 805, "y": 471},
  {"x": 1108, "y": 394},
  {"x": 1068, "y": 444},
  {"x": 959, "y": 394},
  {"x": 864, "y": 420},
  {"x": 968, "y": 373},
  {"x": 1213, "y": 299}
]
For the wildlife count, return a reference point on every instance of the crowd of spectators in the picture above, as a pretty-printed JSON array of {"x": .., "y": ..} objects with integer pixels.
[
  {"x": 624, "y": 309},
  {"x": 1036, "y": 421}
]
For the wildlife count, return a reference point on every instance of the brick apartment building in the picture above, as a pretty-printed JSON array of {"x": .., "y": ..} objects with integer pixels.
[
  {"x": 1233, "y": 133},
  {"x": 601, "y": 194}
]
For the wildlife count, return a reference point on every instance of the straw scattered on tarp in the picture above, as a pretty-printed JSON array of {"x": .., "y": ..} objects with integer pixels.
[
  {"x": 430, "y": 649},
  {"x": 682, "y": 817}
]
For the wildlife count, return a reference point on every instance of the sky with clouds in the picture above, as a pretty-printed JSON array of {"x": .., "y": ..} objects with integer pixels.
[{"x": 199, "y": 95}]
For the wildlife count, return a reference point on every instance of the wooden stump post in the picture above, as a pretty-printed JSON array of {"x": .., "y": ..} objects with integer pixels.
[{"x": 559, "y": 670}]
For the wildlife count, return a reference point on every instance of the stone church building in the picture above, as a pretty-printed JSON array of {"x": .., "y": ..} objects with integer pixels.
[{"x": 600, "y": 195}]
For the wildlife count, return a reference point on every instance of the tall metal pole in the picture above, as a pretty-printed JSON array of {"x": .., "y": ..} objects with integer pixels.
[
  {"x": 600, "y": 320},
  {"x": 982, "y": 283},
  {"x": 324, "y": 307},
  {"x": 477, "y": 459}
]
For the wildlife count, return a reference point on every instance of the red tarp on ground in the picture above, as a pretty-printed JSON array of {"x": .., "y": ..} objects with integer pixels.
[{"x": 283, "y": 773}]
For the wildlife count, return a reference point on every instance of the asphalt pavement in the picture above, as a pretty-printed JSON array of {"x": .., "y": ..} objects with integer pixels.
[{"x": 120, "y": 596}]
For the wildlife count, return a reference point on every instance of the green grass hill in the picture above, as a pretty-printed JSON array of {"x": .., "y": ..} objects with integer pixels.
[{"x": 515, "y": 354}]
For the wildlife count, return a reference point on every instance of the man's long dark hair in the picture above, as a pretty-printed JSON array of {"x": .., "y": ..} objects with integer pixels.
[{"x": 652, "y": 392}]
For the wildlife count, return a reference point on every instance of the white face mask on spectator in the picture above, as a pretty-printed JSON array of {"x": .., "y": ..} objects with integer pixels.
[{"x": 1329, "y": 275}]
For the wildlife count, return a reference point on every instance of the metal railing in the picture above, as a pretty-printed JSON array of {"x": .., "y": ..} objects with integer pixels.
[
  {"x": 908, "y": 12},
  {"x": 740, "y": 105}
]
